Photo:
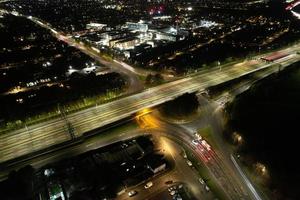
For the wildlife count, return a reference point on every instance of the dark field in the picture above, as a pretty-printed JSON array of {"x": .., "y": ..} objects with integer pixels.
[{"x": 267, "y": 116}]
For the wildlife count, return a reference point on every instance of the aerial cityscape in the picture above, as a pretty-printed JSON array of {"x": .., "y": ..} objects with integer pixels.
[{"x": 149, "y": 99}]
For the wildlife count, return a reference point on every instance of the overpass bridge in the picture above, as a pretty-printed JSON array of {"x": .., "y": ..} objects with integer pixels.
[
  {"x": 3, "y": 1},
  {"x": 55, "y": 131}
]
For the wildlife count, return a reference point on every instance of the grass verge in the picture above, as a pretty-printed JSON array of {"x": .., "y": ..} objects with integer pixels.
[{"x": 206, "y": 134}]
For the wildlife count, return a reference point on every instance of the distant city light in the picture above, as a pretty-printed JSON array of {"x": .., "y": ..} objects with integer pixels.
[{"x": 207, "y": 24}]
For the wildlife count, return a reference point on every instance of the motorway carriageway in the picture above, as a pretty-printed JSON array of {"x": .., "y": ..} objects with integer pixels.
[{"x": 36, "y": 137}]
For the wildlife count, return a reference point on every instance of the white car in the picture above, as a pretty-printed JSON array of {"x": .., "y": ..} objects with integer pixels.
[
  {"x": 201, "y": 181},
  {"x": 172, "y": 192},
  {"x": 206, "y": 145},
  {"x": 172, "y": 188},
  {"x": 148, "y": 185},
  {"x": 132, "y": 193},
  {"x": 195, "y": 142},
  {"x": 198, "y": 136},
  {"x": 189, "y": 163},
  {"x": 207, "y": 188}
]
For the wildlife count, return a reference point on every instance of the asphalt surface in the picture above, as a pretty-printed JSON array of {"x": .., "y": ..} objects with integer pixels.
[
  {"x": 181, "y": 173},
  {"x": 36, "y": 137},
  {"x": 213, "y": 116},
  {"x": 128, "y": 72},
  {"x": 91, "y": 143},
  {"x": 223, "y": 172},
  {"x": 39, "y": 136},
  {"x": 45, "y": 134}
]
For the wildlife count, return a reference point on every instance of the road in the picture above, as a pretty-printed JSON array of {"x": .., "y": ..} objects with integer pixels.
[
  {"x": 36, "y": 137},
  {"x": 128, "y": 72},
  {"x": 156, "y": 127},
  {"x": 91, "y": 143},
  {"x": 181, "y": 173},
  {"x": 3, "y": 1},
  {"x": 212, "y": 115},
  {"x": 130, "y": 75},
  {"x": 221, "y": 171},
  {"x": 45, "y": 134},
  {"x": 39, "y": 136}
]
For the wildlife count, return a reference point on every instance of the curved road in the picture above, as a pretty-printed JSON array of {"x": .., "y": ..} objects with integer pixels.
[{"x": 42, "y": 135}]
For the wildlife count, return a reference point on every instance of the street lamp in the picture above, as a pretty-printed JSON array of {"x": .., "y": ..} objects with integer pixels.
[
  {"x": 26, "y": 128},
  {"x": 219, "y": 64},
  {"x": 237, "y": 138},
  {"x": 261, "y": 169}
]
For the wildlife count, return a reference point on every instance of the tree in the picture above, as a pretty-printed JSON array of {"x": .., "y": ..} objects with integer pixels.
[
  {"x": 154, "y": 79},
  {"x": 19, "y": 184},
  {"x": 181, "y": 106}
]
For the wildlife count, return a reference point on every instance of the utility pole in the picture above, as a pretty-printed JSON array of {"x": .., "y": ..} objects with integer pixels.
[
  {"x": 29, "y": 134},
  {"x": 70, "y": 128},
  {"x": 279, "y": 68}
]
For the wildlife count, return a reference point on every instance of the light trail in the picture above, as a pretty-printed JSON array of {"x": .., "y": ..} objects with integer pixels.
[
  {"x": 291, "y": 6},
  {"x": 246, "y": 180}
]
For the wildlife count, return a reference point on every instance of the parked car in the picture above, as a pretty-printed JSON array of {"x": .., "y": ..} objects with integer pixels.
[
  {"x": 148, "y": 185},
  {"x": 207, "y": 188},
  {"x": 201, "y": 181},
  {"x": 132, "y": 193},
  {"x": 189, "y": 163}
]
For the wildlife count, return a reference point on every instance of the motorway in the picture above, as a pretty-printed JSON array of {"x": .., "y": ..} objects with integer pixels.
[
  {"x": 3, "y": 1},
  {"x": 219, "y": 161},
  {"x": 89, "y": 144},
  {"x": 220, "y": 171},
  {"x": 181, "y": 172},
  {"x": 42, "y": 135},
  {"x": 226, "y": 173},
  {"x": 36, "y": 137},
  {"x": 46, "y": 134}
]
